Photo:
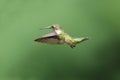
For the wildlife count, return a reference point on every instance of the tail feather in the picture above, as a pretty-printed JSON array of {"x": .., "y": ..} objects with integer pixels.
[
  {"x": 84, "y": 39},
  {"x": 79, "y": 40}
]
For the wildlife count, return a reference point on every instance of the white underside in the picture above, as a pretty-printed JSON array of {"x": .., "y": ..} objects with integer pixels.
[{"x": 58, "y": 31}]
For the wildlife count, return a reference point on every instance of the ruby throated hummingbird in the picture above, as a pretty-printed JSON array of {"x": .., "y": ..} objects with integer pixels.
[{"x": 59, "y": 37}]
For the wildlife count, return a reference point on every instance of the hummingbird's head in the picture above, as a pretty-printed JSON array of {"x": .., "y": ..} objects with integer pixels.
[{"x": 55, "y": 27}]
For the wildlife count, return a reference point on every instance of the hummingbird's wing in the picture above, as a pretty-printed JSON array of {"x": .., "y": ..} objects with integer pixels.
[
  {"x": 51, "y": 38},
  {"x": 50, "y": 34}
]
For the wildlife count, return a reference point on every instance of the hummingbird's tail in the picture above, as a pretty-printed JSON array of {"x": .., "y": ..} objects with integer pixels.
[
  {"x": 84, "y": 39},
  {"x": 79, "y": 40}
]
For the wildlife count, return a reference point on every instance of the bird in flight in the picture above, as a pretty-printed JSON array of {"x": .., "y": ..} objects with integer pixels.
[{"x": 58, "y": 36}]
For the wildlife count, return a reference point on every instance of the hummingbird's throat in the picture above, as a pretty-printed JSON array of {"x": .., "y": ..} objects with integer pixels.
[{"x": 58, "y": 31}]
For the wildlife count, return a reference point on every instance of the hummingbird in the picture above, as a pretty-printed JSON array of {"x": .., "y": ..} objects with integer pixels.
[{"x": 58, "y": 36}]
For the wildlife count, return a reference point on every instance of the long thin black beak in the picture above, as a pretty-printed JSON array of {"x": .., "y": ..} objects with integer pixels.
[{"x": 48, "y": 27}]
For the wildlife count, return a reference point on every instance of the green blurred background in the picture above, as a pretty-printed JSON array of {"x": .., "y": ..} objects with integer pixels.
[{"x": 23, "y": 59}]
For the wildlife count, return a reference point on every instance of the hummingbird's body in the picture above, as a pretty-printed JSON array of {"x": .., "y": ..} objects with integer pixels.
[{"x": 60, "y": 37}]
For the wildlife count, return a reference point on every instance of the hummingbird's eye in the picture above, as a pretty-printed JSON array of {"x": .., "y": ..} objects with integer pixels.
[{"x": 53, "y": 26}]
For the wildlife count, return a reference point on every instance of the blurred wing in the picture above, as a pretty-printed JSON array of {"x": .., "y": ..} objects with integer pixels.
[
  {"x": 50, "y": 34},
  {"x": 50, "y": 40}
]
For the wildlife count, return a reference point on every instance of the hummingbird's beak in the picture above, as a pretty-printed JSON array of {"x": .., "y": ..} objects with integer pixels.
[{"x": 48, "y": 27}]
